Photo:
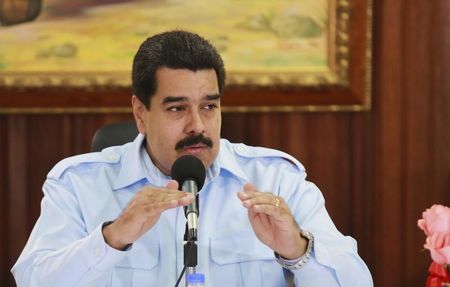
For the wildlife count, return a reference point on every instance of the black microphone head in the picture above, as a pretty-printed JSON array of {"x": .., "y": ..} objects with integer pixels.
[{"x": 189, "y": 167}]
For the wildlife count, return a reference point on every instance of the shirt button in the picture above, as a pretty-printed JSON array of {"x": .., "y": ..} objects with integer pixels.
[
  {"x": 112, "y": 157},
  {"x": 96, "y": 252}
]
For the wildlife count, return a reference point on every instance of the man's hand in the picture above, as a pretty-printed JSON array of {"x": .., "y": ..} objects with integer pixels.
[
  {"x": 273, "y": 222},
  {"x": 143, "y": 212}
]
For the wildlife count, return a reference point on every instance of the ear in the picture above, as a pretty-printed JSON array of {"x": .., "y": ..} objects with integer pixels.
[{"x": 139, "y": 112}]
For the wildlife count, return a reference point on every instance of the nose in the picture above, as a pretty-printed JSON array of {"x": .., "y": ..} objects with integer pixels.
[{"x": 195, "y": 123}]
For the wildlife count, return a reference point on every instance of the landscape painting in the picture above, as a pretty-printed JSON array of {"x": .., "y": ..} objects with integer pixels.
[{"x": 291, "y": 42}]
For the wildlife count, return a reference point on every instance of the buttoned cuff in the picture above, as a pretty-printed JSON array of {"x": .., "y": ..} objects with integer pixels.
[
  {"x": 98, "y": 254},
  {"x": 315, "y": 273}
]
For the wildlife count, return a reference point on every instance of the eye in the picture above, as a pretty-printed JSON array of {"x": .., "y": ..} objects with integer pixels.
[
  {"x": 175, "y": 109},
  {"x": 210, "y": 107}
]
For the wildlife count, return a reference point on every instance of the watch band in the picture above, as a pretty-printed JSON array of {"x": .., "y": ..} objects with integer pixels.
[{"x": 297, "y": 263}]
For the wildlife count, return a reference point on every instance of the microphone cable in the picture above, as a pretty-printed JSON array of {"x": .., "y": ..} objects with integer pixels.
[{"x": 189, "y": 254}]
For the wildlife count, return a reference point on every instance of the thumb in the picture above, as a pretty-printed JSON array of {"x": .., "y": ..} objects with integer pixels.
[
  {"x": 172, "y": 184},
  {"x": 248, "y": 187}
]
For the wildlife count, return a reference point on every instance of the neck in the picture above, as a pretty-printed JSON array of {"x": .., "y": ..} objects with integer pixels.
[{"x": 156, "y": 162}]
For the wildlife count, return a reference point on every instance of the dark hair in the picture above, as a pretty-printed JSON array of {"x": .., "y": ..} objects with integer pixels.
[{"x": 176, "y": 50}]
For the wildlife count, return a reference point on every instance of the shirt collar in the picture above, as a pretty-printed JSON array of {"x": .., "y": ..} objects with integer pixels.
[{"x": 137, "y": 165}]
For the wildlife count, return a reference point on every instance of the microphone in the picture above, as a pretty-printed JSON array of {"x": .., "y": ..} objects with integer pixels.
[{"x": 190, "y": 173}]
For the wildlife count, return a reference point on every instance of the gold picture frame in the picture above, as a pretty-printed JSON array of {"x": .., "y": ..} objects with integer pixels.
[{"x": 323, "y": 63}]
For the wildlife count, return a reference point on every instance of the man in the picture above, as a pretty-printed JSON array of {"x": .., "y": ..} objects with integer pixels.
[{"x": 115, "y": 218}]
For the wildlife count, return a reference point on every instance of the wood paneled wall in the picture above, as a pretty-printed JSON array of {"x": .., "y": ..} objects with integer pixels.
[
  {"x": 378, "y": 170},
  {"x": 411, "y": 133}
]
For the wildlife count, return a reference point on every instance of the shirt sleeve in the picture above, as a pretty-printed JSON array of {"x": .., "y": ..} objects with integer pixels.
[
  {"x": 335, "y": 260},
  {"x": 60, "y": 251}
]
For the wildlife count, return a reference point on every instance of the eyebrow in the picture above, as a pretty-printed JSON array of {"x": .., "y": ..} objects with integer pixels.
[
  {"x": 213, "y": 97},
  {"x": 171, "y": 99}
]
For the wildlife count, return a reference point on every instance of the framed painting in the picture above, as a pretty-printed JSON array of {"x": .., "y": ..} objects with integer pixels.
[{"x": 279, "y": 55}]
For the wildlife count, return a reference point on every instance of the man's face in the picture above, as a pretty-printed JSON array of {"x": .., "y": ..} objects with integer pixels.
[{"x": 184, "y": 117}]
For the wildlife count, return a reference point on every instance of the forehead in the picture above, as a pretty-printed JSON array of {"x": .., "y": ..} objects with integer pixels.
[
  {"x": 173, "y": 78},
  {"x": 185, "y": 84}
]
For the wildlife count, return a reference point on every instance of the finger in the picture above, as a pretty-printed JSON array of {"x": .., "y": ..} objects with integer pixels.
[
  {"x": 267, "y": 205},
  {"x": 166, "y": 195},
  {"x": 268, "y": 209},
  {"x": 247, "y": 193},
  {"x": 256, "y": 206},
  {"x": 156, "y": 193},
  {"x": 167, "y": 198},
  {"x": 242, "y": 195},
  {"x": 172, "y": 184},
  {"x": 266, "y": 198},
  {"x": 175, "y": 199},
  {"x": 248, "y": 187},
  {"x": 250, "y": 191},
  {"x": 152, "y": 208},
  {"x": 187, "y": 199},
  {"x": 263, "y": 218}
]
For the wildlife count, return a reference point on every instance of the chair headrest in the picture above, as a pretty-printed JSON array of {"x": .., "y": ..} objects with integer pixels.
[{"x": 114, "y": 134}]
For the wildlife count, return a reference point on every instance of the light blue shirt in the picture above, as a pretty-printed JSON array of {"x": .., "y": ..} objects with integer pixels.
[{"x": 67, "y": 248}]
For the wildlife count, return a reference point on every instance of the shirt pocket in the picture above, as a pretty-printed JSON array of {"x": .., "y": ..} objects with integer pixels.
[
  {"x": 242, "y": 260},
  {"x": 139, "y": 268}
]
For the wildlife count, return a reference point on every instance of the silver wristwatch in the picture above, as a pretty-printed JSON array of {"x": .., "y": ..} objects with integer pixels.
[{"x": 297, "y": 263}]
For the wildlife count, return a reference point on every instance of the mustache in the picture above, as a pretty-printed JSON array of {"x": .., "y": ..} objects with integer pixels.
[{"x": 192, "y": 140}]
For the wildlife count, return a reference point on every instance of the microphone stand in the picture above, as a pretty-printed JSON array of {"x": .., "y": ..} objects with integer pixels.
[
  {"x": 190, "y": 252},
  {"x": 190, "y": 174},
  {"x": 190, "y": 234}
]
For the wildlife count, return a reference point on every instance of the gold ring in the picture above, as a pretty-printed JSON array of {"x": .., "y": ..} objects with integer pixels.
[{"x": 277, "y": 202}]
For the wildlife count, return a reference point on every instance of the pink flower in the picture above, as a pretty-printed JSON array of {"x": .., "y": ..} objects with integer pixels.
[
  {"x": 435, "y": 220},
  {"x": 439, "y": 246}
]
